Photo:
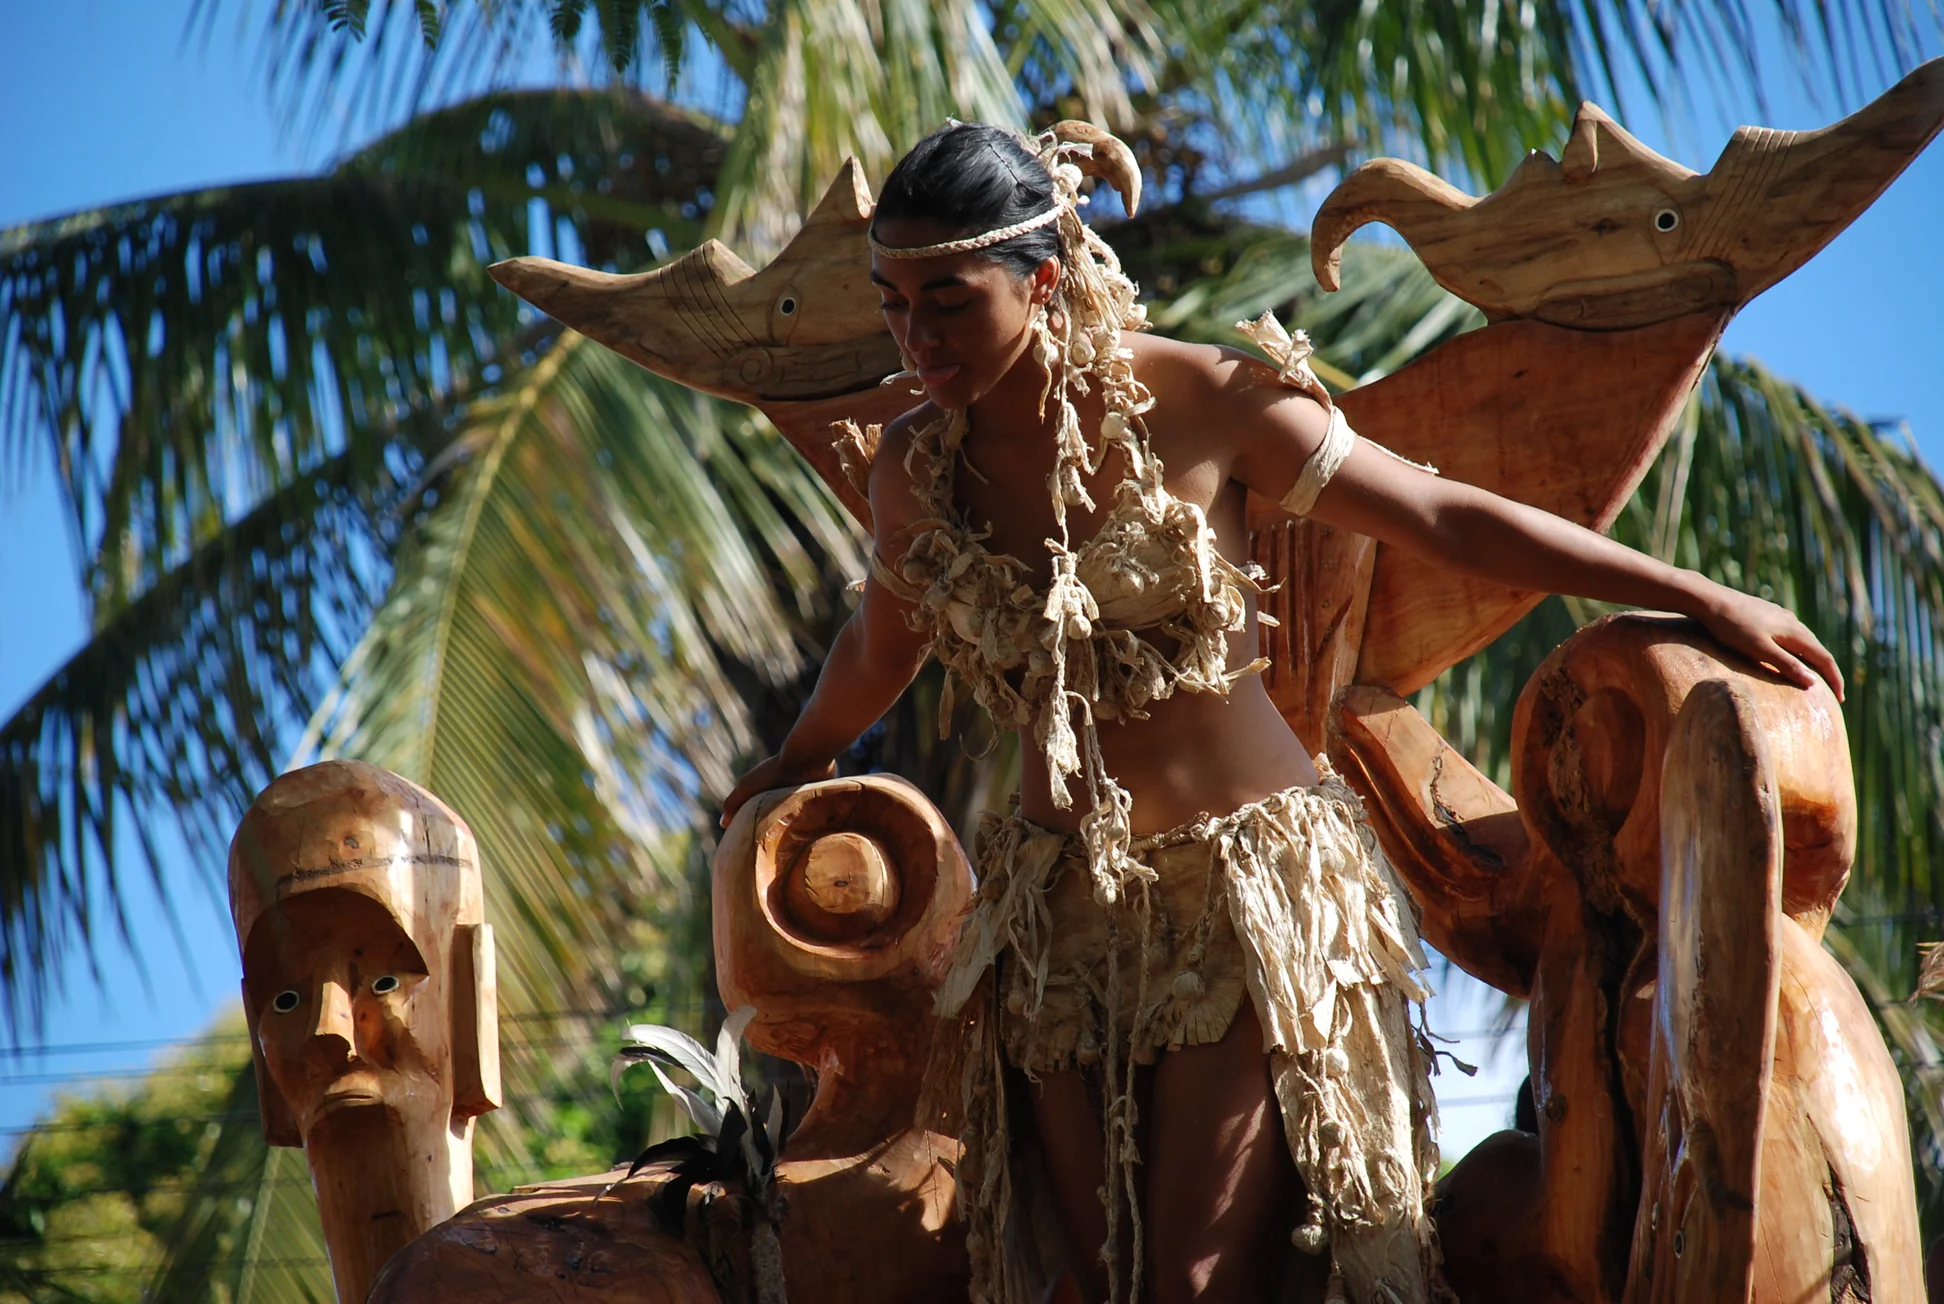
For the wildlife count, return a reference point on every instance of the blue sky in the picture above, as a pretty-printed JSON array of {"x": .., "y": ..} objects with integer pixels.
[{"x": 104, "y": 100}]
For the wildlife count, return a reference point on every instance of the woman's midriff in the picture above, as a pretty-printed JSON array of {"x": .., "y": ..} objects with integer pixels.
[{"x": 1196, "y": 754}]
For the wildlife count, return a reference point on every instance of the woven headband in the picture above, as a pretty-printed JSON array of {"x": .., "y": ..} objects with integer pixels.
[{"x": 970, "y": 243}]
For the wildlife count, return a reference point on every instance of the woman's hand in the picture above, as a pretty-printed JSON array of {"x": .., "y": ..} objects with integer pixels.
[
  {"x": 1760, "y": 630},
  {"x": 778, "y": 771}
]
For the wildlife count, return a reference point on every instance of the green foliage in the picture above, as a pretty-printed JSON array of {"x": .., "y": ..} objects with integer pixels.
[
  {"x": 95, "y": 1197},
  {"x": 240, "y": 390},
  {"x": 1241, "y": 86}
]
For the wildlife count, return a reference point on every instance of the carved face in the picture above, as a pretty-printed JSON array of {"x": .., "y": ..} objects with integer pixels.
[
  {"x": 962, "y": 320},
  {"x": 345, "y": 1011}
]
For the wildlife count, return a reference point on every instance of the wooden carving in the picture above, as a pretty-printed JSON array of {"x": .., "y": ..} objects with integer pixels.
[
  {"x": 1688, "y": 824},
  {"x": 368, "y": 989},
  {"x": 836, "y": 906},
  {"x": 1613, "y": 236}
]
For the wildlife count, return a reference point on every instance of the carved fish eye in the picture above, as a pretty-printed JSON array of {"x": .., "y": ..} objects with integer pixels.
[
  {"x": 1666, "y": 220},
  {"x": 384, "y": 986},
  {"x": 788, "y": 306},
  {"x": 285, "y": 1001}
]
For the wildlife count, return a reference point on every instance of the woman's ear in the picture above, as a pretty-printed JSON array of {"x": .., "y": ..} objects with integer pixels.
[{"x": 1046, "y": 280}]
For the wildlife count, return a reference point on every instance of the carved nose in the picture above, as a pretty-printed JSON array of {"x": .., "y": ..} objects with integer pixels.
[{"x": 331, "y": 1040}]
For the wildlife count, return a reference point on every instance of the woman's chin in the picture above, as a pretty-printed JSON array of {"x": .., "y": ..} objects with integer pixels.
[{"x": 949, "y": 391}]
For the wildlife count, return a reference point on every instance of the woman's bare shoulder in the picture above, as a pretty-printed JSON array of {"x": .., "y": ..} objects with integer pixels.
[
  {"x": 1199, "y": 373},
  {"x": 894, "y": 440},
  {"x": 1221, "y": 401},
  {"x": 893, "y": 485}
]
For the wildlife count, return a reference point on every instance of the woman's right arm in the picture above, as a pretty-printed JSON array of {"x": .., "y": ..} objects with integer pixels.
[{"x": 875, "y": 657}]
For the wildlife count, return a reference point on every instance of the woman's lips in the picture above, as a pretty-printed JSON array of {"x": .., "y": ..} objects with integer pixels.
[{"x": 935, "y": 376}]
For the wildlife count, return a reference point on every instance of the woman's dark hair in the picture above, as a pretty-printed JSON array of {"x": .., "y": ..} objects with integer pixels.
[{"x": 970, "y": 177}]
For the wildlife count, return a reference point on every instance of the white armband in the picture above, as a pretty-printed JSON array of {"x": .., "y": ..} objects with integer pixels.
[{"x": 1338, "y": 440}]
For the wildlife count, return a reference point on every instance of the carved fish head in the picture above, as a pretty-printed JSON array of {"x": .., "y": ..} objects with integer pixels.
[
  {"x": 805, "y": 327},
  {"x": 1613, "y": 236}
]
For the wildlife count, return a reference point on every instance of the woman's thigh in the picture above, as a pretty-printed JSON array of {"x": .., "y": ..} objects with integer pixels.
[
  {"x": 1066, "y": 1117},
  {"x": 1221, "y": 1189}
]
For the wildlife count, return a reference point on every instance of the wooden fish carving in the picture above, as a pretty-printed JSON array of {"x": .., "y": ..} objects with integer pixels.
[
  {"x": 806, "y": 327},
  {"x": 1613, "y": 236}
]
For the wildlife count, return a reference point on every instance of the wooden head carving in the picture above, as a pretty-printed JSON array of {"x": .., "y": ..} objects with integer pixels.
[
  {"x": 368, "y": 988},
  {"x": 836, "y": 907},
  {"x": 1628, "y": 238}
]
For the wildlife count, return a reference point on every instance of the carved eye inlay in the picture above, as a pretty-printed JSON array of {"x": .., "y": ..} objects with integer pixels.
[
  {"x": 286, "y": 1000},
  {"x": 384, "y": 985},
  {"x": 788, "y": 306},
  {"x": 1666, "y": 220}
]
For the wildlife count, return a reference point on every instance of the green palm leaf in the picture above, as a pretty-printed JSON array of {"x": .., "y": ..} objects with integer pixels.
[
  {"x": 235, "y": 496},
  {"x": 187, "y": 354},
  {"x": 1467, "y": 86},
  {"x": 614, "y": 570}
]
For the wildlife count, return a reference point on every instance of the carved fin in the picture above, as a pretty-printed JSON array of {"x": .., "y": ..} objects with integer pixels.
[
  {"x": 1780, "y": 196},
  {"x": 847, "y": 200},
  {"x": 1582, "y": 153}
]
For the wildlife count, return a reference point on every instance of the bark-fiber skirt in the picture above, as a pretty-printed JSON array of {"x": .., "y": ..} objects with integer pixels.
[{"x": 1288, "y": 902}]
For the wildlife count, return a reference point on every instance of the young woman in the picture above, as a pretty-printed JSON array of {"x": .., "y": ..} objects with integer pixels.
[{"x": 1185, "y": 940}]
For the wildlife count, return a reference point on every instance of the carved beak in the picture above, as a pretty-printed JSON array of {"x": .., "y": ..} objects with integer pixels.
[{"x": 1401, "y": 195}]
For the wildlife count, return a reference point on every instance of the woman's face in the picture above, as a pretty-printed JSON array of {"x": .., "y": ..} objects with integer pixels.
[{"x": 963, "y": 320}]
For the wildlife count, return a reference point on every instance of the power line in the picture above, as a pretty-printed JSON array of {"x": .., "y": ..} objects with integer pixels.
[{"x": 707, "y": 1004}]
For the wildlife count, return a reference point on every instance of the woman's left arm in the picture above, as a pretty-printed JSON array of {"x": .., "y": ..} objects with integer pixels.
[{"x": 1476, "y": 532}]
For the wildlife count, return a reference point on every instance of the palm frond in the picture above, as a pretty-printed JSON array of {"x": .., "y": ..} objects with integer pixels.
[
  {"x": 567, "y": 649},
  {"x": 185, "y": 355},
  {"x": 831, "y": 78},
  {"x": 1471, "y": 86},
  {"x": 181, "y": 704},
  {"x": 1388, "y": 312},
  {"x": 300, "y": 347}
]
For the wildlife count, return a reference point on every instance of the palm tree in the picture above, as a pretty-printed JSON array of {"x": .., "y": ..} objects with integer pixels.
[{"x": 336, "y": 493}]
